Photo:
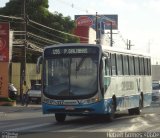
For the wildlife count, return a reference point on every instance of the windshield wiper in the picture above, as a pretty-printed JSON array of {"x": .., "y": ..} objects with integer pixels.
[{"x": 80, "y": 64}]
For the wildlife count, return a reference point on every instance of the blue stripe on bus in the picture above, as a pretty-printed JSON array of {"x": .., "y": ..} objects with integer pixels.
[
  {"x": 147, "y": 99},
  {"x": 129, "y": 102},
  {"x": 102, "y": 107}
]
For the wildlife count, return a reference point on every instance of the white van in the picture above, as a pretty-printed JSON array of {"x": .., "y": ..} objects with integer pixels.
[{"x": 34, "y": 94}]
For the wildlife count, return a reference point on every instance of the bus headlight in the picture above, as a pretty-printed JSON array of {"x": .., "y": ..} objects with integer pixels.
[{"x": 91, "y": 100}]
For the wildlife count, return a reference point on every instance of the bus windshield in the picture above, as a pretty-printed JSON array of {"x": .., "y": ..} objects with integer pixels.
[{"x": 71, "y": 76}]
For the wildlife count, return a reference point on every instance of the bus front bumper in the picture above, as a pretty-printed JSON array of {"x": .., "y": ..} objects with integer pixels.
[{"x": 94, "y": 108}]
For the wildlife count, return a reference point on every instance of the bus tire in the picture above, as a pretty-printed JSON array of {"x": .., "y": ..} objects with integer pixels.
[
  {"x": 130, "y": 112},
  {"x": 137, "y": 111},
  {"x": 60, "y": 117},
  {"x": 134, "y": 111}
]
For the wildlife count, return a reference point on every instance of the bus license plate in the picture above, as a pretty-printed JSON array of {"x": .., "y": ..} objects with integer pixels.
[{"x": 69, "y": 108}]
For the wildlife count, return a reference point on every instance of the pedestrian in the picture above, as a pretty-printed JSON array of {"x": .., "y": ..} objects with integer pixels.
[{"x": 25, "y": 99}]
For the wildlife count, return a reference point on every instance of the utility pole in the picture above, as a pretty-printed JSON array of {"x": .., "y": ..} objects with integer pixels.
[
  {"x": 129, "y": 44},
  {"x": 111, "y": 39},
  {"x": 23, "y": 61},
  {"x": 96, "y": 26},
  {"x": 25, "y": 37},
  {"x": 111, "y": 34}
]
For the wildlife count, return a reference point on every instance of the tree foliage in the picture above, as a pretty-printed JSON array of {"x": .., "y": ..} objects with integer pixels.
[{"x": 37, "y": 10}]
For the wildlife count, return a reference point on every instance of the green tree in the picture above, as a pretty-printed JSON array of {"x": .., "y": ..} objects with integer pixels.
[{"x": 37, "y": 10}]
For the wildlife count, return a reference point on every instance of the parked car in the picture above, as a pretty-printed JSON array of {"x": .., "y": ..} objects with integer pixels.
[
  {"x": 155, "y": 91},
  {"x": 12, "y": 91},
  {"x": 34, "y": 94}
]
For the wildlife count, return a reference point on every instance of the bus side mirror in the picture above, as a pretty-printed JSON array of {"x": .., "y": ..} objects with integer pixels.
[{"x": 38, "y": 64}]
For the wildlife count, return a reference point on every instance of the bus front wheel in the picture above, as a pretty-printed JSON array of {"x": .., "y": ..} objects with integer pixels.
[{"x": 60, "y": 117}]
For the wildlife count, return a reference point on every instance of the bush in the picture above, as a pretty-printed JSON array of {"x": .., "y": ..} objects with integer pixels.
[{"x": 6, "y": 99}]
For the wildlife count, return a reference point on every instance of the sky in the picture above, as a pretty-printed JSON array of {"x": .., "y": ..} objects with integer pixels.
[{"x": 138, "y": 20}]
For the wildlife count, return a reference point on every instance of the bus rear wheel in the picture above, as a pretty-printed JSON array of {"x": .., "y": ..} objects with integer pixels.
[
  {"x": 60, "y": 117},
  {"x": 134, "y": 111}
]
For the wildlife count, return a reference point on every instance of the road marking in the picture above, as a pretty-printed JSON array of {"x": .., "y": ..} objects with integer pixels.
[{"x": 28, "y": 127}]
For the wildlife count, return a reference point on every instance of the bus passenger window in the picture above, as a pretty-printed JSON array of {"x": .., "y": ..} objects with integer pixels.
[
  {"x": 107, "y": 66},
  {"x": 125, "y": 65},
  {"x": 141, "y": 64},
  {"x": 131, "y": 65},
  {"x": 145, "y": 67},
  {"x": 149, "y": 66},
  {"x": 136, "y": 63},
  {"x": 113, "y": 64},
  {"x": 119, "y": 65}
]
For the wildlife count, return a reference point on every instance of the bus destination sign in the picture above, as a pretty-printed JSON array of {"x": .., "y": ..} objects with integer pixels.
[{"x": 70, "y": 51}]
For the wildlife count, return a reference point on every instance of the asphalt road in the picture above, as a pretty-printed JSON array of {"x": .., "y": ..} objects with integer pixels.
[{"x": 30, "y": 122}]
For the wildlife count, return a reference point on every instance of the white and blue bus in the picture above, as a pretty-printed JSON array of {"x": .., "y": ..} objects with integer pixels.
[{"x": 86, "y": 79}]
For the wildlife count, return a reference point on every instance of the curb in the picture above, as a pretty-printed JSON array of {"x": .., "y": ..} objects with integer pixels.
[
  {"x": 8, "y": 103},
  {"x": 18, "y": 108}
]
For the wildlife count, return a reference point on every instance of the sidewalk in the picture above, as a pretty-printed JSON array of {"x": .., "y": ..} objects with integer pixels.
[{"x": 19, "y": 108}]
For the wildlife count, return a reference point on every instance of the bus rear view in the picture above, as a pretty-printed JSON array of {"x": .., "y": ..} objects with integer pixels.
[{"x": 70, "y": 80}]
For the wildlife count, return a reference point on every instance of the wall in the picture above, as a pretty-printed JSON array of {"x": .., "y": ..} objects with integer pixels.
[
  {"x": 30, "y": 74},
  {"x": 156, "y": 72},
  {"x": 92, "y": 36},
  {"x": 3, "y": 79}
]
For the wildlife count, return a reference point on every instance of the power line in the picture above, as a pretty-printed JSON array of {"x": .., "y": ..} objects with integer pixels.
[
  {"x": 38, "y": 43},
  {"x": 73, "y": 6},
  {"x": 57, "y": 30},
  {"x": 12, "y": 17},
  {"x": 122, "y": 38},
  {"x": 35, "y": 47},
  {"x": 42, "y": 38},
  {"x": 19, "y": 18},
  {"x": 3, "y": 20},
  {"x": 47, "y": 32}
]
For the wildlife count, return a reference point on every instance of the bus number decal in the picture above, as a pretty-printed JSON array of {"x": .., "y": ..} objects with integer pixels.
[
  {"x": 48, "y": 101},
  {"x": 56, "y": 51}
]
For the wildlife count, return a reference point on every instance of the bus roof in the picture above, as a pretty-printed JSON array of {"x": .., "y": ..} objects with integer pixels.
[
  {"x": 106, "y": 48},
  {"x": 72, "y": 44}
]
